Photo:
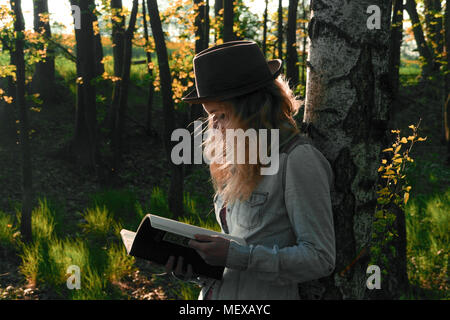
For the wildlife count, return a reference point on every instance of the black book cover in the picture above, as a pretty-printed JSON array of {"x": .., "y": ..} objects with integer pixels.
[{"x": 157, "y": 246}]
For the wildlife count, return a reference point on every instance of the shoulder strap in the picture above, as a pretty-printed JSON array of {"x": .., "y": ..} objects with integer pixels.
[{"x": 297, "y": 140}]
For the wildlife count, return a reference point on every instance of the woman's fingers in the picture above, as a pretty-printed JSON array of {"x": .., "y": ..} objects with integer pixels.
[
  {"x": 179, "y": 268},
  {"x": 189, "y": 272},
  {"x": 178, "y": 271},
  {"x": 169, "y": 264},
  {"x": 204, "y": 237}
]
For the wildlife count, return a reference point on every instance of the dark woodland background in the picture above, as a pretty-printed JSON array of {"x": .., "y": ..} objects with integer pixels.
[{"x": 86, "y": 117}]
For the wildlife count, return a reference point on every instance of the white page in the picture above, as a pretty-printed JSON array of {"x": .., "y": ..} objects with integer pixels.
[{"x": 187, "y": 230}]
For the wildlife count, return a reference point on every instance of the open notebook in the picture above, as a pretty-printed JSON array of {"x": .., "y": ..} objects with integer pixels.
[{"x": 158, "y": 238}]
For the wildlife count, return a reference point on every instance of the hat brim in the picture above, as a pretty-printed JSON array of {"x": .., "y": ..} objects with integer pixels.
[{"x": 274, "y": 67}]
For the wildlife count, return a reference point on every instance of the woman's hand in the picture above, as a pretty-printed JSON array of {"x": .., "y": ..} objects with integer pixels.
[
  {"x": 213, "y": 249},
  {"x": 178, "y": 272}
]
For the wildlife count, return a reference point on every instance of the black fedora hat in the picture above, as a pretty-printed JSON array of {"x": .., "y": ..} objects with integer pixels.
[{"x": 229, "y": 70}]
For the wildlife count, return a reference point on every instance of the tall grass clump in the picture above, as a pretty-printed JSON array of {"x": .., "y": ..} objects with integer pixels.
[
  {"x": 8, "y": 231},
  {"x": 99, "y": 223},
  {"x": 42, "y": 221},
  {"x": 119, "y": 263},
  {"x": 192, "y": 215},
  {"x": 158, "y": 203},
  {"x": 187, "y": 291},
  {"x": 96, "y": 251},
  {"x": 120, "y": 203},
  {"x": 428, "y": 238}
]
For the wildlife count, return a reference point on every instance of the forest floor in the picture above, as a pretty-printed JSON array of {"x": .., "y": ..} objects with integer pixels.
[{"x": 145, "y": 167}]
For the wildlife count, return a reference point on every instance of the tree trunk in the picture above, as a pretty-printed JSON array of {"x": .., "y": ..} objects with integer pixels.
[
  {"x": 151, "y": 89},
  {"x": 176, "y": 183},
  {"x": 98, "y": 49},
  {"x": 280, "y": 29},
  {"x": 84, "y": 145},
  {"x": 44, "y": 75},
  {"x": 197, "y": 109},
  {"x": 346, "y": 116},
  {"x": 396, "y": 43},
  {"x": 118, "y": 30},
  {"x": 264, "y": 43},
  {"x": 228, "y": 21},
  {"x": 424, "y": 50},
  {"x": 206, "y": 24},
  {"x": 119, "y": 107},
  {"x": 291, "y": 45},
  {"x": 27, "y": 188},
  {"x": 8, "y": 130},
  {"x": 447, "y": 80},
  {"x": 218, "y": 32},
  {"x": 305, "y": 17},
  {"x": 117, "y": 37},
  {"x": 434, "y": 26}
]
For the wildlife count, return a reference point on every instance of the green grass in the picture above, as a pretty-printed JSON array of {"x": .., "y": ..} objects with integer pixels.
[
  {"x": 427, "y": 217},
  {"x": 99, "y": 223},
  {"x": 187, "y": 291},
  {"x": 428, "y": 238},
  {"x": 121, "y": 204},
  {"x": 95, "y": 247},
  {"x": 97, "y": 251},
  {"x": 409, "y": 73},
  {"x": 8, "y": 231}
]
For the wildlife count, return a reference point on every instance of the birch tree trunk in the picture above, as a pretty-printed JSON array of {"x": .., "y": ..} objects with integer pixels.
[{"x": 346, "y": 116}]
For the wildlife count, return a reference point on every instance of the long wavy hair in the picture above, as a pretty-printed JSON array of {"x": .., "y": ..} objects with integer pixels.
[{"x": 271, "y": 107}]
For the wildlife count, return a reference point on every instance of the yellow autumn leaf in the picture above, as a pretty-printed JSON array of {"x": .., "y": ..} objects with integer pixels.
[
  {"x": 406, "y": 197},
  {"x": 387, "y": 150},
  {"x": 397, "y": 149},
  {"x": 422, "y": 139},
  {"x": 404, "y": 140}
]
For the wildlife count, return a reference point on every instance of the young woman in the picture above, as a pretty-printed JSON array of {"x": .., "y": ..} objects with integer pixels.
[{"x": 285, "y": 218}]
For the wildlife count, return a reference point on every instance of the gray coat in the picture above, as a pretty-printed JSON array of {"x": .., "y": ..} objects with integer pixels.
[{"x": 288, "y": 228}]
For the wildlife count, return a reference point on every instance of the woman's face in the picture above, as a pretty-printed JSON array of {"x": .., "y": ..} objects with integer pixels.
[{"x": 218, "y": 111}]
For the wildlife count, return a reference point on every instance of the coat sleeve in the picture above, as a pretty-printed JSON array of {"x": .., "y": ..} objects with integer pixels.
[{"x": 308, "y": 204}]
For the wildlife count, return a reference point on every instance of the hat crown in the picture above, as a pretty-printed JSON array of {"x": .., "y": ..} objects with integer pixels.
[{"x": 234, "y": 66}]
